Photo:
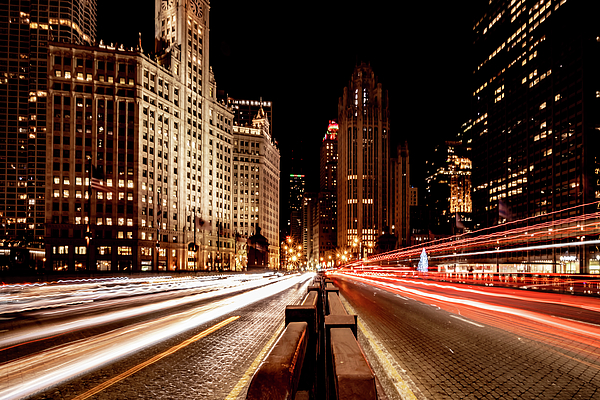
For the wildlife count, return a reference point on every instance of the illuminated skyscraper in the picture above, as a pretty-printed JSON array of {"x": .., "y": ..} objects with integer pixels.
[
  {"x": 364, "y": 160},
  {"x": 154, "y": 133},
  {"x": 535, "y": 96},
  {"x": 26, "y": 28},
  {"x": 448, "y": 187},
  {"x": 256, "y": 172}
]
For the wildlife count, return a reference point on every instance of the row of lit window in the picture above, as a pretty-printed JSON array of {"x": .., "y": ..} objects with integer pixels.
[
  {"x": 99, "y": 195},
  {"x": 63, "y": 22},
  {"x": 101, "y": 250},
  {"x": 105, "y": 221}
]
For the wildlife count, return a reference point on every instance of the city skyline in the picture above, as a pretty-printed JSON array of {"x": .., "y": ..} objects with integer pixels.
[{"x": 301, "y": 62}]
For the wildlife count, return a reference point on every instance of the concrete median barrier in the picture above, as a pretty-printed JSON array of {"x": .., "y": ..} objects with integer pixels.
[
  {"x": 352, "y": 375},
  {"x": 278, "y": 376}
]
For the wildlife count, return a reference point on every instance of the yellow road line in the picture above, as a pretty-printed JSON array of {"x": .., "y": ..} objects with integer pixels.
[
  {"x": 400, "y": 384},
  {"x": 154, "y": 359},
  {"x": 241, "y": 385}
]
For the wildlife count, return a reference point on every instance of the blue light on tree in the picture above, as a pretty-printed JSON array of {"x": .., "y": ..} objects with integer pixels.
[{"x": 423, "y": 263}]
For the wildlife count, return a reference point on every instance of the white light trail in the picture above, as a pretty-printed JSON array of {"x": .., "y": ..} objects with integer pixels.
[{"x": 33, "y": 373}]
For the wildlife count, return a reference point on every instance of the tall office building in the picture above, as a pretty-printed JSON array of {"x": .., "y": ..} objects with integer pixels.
[
  {"x": 155, "y": 148},
  {"x": 310, "y": 238},
  {"x": 448, "y": 188},
  {"x": 400, "y": 196},
  {"x": 256, "y": 172},
  {"x": 364, "y": 160},
  {"x": 297, "y": 188},
  {"x": 327, "y": 204},
  {"x": 536, "y": 99},
  {"x": 26, "y": 28},
  {"x": 244, "y": 111}
]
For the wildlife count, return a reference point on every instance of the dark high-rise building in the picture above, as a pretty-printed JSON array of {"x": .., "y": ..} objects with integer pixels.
[
  {"x": 536, "y": 99},
  {"x": 400, "y": 194},
  {"x": 327, "y": 204},
  {"x": 26, "y": 28},
  {"x": 363, "y": 160},
  {"x": 297, "y": 188},
  {"x": 244, "y": 111}
]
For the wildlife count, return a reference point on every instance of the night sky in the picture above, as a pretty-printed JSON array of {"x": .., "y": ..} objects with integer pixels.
[{"x": 300, "y": 56}]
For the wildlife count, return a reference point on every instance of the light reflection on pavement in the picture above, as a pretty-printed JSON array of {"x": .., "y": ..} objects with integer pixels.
[
  {"x": 32, "y": 373},
  {"x": 545, "y": 317}
]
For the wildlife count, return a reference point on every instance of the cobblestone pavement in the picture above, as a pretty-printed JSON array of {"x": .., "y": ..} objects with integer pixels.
[
  {"x": 448, "y": 358},
  {"x": 209, "y": 368}
]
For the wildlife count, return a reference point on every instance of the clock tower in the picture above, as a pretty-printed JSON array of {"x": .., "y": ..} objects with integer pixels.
[
  {"x": 182, "y": 38},
  {"x": 184, "y": 23}
]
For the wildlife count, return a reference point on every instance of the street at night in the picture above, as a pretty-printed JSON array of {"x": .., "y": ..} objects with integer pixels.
[
  {"x": 202, "y": 342},
  {"x": 448, "y": 341},
  {"x": 204, "y": 199}
]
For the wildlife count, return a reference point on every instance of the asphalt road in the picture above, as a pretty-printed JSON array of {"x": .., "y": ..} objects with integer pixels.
[
  {"x": 166, "y": 343},
  {"x": 443, "y": 341}
]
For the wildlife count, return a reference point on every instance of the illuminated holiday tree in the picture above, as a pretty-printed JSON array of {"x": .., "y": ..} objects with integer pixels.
[{"x": 423, "y": 263}]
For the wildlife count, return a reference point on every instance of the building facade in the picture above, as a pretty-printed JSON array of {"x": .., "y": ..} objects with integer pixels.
[
  {"x": 448, "y": 188},
  {"x": 297, "y": 188},
  {"x": 26, "y": 29},
  {"x": 535, "y": 97},
  {"x": 145, "y": 172},
  {"x": 256, "y": 172},
  {"x": 400, "y": 200},
  {"x": 363, "y": 190},
  {"x": 244, "y": 111},
  {"x": 327, "y": 196}
]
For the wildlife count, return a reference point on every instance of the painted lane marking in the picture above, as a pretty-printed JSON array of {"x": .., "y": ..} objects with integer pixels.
[
  {"x": 154, "y": 359},
  {"x": 467, "y": 321}
]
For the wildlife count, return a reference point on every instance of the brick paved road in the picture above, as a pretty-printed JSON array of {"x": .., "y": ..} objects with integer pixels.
[
  {"x": 209, "y": 368},
  {"x": 451, "y": 358}
]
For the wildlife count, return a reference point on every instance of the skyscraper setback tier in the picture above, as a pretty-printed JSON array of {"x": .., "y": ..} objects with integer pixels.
[
  {"x": 26, "y": 28},
  {"x": 536, "y": 99}
]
